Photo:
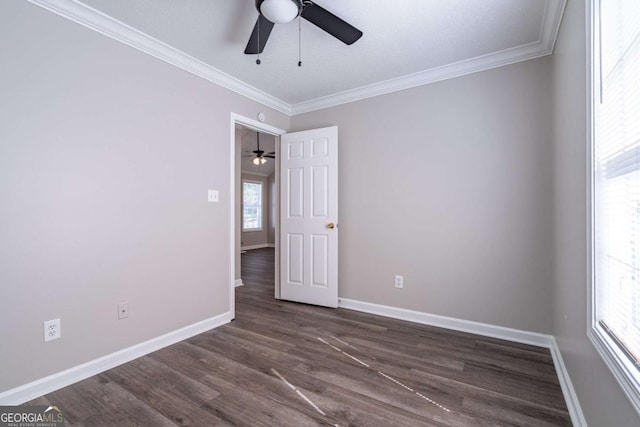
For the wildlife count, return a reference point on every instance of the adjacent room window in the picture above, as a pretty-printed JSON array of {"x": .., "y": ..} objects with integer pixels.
[
  {"x": 251, "y": 205},
  {"x": 615, "y": 328}
]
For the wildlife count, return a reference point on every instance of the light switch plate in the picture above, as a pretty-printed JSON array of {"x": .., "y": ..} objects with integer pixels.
[{"x": 212, "y": 196}]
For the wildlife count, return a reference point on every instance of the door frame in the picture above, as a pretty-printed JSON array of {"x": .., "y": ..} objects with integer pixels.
[{"x": 237, "y": 119}]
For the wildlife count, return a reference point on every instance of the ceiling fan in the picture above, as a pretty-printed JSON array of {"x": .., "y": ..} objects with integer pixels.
[
  {"x": 282, "y": 11},
  {"x": 259, "y": 156}
]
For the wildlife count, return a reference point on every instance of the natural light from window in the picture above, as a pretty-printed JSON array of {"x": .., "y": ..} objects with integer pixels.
[
  {"x": 251, "y": 206},
  {"x": 616, "y": 189}
]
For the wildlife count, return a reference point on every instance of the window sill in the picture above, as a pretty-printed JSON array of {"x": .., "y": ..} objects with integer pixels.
[
  {"x": 250, "y": 230},
  {"x": 618, "y": 364}
]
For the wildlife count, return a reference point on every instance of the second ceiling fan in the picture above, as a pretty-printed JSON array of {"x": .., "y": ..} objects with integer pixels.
[
  {"x": 282, "y": 11},
  {"x": 259, "y": 156}
]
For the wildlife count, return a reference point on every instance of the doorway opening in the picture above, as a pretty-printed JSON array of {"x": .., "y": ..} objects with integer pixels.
[{"x": 254, "y": 206}]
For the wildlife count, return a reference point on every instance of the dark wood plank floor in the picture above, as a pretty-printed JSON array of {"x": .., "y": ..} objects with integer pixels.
[{"x": 290, "y": 364}]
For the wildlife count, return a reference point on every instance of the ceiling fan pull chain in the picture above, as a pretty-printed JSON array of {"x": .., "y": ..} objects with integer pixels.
[
  {"x": 258, "y": 60},
  {"x": 300, "y": 40}
]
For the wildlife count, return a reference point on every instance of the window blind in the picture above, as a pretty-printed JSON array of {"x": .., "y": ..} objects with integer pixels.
[
  {"x": 251, "y": 205},
  {"x": 617, "y": 175}
]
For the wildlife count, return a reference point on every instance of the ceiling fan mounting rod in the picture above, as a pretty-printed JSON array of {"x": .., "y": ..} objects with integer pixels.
[{"x": 260, "y": 157}]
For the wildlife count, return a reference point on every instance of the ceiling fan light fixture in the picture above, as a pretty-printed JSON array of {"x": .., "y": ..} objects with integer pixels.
[
  {"x": 259, "y": 161},
  {"x": 279, "y": 11}
]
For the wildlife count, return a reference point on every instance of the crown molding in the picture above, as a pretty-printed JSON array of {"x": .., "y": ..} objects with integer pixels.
[
  {"x": 544, "y": 46},
  {"x": 553, "y": 13},
  {"x": 433, "y": 75},
  {"x": 117, "y": 30}
]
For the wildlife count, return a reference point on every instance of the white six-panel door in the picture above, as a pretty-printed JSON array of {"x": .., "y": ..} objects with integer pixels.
[{"x": 309, "y": 216}]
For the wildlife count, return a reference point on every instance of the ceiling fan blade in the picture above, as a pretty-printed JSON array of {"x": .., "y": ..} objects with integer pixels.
[
  {"x": 330, "y": 23},
  {"x": 269, "y": 156},
  {"x": 265, "y": 26}
]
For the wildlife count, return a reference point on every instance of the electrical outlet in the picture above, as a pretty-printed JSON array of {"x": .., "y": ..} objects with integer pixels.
[
  {"x": 52, "y": 330},
  {"x": 123, "y": 310},
  {"x": 399, "y": 282}
]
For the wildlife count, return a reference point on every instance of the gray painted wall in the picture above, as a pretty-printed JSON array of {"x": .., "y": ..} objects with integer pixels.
[
  {"x": 449, "y": 184},
  {"x": 602, "y": 400},
  {"x": 106, "y": 155}
]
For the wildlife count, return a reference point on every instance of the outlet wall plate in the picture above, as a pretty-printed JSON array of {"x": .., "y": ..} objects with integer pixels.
[
  {"x": 399, "y": 282},
  {"x": 52, "y": 330},
  {"x": 123, "y": 310}
]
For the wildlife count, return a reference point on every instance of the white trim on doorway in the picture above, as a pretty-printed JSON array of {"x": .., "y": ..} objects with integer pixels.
[{"x": 237, "y": 119}]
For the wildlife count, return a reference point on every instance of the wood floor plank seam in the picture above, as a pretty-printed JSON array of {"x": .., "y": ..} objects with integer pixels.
[
  {"x": 369, "y": 371},
  {"x": 502, "y": 395}
]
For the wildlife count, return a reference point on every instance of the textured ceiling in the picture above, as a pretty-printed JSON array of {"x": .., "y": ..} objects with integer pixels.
[{"x": 401, "y": 37}]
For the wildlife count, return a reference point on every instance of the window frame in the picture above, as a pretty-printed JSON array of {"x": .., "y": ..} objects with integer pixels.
[
  {"x": 625, "y": 373},
  {"x": 261, "y": 209}
]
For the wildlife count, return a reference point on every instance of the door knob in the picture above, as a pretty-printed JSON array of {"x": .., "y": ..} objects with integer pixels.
[{"x": 331, "y": 225}]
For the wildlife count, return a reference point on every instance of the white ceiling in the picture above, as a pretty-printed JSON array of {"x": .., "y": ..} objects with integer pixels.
[{"x": 405, "y": 43}]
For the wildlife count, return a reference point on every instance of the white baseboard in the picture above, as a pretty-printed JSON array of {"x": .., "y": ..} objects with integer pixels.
[
  {"x": 238, "y": 283},
  {"x": 40, "y": 387},
  {"x": 62, "y": 379},
  {"x": 250, "y": 247},
  {"x": 484, "y": 329},
  {"x": 570, "y": 396}
]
